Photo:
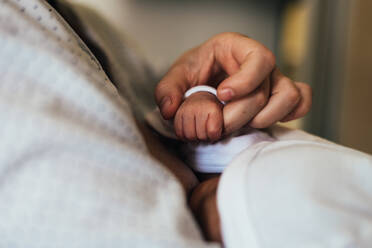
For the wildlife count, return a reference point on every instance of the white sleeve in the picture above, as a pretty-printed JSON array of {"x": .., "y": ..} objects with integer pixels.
[{"x": 299, "y": 191}]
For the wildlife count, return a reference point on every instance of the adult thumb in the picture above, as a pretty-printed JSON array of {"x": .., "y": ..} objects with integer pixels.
[{"x": 169, "y": 92}]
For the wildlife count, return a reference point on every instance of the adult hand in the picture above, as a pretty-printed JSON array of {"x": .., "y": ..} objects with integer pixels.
[{"x": 246, "y": 76}]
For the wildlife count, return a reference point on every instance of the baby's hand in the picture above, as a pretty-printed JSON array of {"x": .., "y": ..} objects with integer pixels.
[{"x": 200, "y": 117}]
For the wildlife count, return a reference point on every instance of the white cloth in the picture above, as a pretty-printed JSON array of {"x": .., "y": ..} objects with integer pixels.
[
  {"x": 208, "y": 157},
  {"x": 299, "y": 191},
  {"x": 74, "y": 170}
]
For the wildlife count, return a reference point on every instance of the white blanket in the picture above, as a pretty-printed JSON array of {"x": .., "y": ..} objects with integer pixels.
[{"x": 74, "y": 170}]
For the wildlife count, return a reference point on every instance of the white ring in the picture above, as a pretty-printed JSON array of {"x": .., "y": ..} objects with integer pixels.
[{"x": 202, "y": 88}]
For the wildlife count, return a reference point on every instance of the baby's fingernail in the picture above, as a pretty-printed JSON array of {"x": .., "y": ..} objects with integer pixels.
[
  {"x": 226, "y": 94},
  {"x": 165, "y": 102}
]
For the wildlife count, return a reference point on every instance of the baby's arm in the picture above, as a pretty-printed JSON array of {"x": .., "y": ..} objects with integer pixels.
[{"x": 200, "y": 117}]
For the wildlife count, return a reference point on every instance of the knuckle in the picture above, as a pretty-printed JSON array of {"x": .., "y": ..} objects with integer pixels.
[
  {"x": 305, "y": 87},
  {"x": 214, "y": 110},
  {"x": 189, "y": 112},
  {"x": 307, "y": 95},
  {"x": 293, "y": 95},
  {"x": 257, "y": 123},
  {"x": 261, "y": 99},
  {"x": 213, "y": 127},
  {"x": 228, "y": 35},
  {"x": 226, "y": 38},
  {"x": 270, "y": 58},
  {"x": 267, "y": 55}
]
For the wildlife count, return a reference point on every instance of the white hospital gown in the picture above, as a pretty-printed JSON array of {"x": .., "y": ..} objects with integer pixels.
[{"x": 74, "y": 170}]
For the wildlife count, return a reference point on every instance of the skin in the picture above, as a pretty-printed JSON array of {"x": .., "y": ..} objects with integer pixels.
[
  {"x": 203, "y": 203},
  {"x": 199, "y": 117},
  {"x": 245, "y": 74}
]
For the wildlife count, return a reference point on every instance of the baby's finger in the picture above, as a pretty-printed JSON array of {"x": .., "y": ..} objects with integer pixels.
[
  {"x": 178, "y": 126},
  {"x": 189, "y": 126},
  {"x": 201, "y": 127},
  {"x": 214, "y": 125}
]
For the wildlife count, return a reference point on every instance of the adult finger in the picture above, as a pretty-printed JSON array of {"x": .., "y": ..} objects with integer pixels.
[
  {"x": 285, "y": 96},
  {"x": 170, "y": 90},
  {"x": 255, "y": 60},
  {"x": 240, "y": 112},
  {"x": 304, "y": 106}
]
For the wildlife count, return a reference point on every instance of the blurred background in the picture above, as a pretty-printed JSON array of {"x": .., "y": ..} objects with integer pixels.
[{"x": 326, "y": 43}]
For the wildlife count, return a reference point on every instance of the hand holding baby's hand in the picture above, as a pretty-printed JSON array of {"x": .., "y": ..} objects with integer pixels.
[
  {"x": 200, "y": 117},
  {"x": 247, "y": 78}
]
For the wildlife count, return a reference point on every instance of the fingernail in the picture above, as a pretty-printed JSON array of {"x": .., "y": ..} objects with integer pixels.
[
  {"x": 165, "y": 102},
  {"x": 226, "y": 94}
]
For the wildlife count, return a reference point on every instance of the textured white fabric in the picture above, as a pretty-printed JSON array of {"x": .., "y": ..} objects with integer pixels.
[
  {"x": 74, "y": 170},
  {"x": 206, "y": 157},
  {"x": 299, "y": 191}
]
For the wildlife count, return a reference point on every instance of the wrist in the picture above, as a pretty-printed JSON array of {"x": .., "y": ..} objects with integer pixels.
[{"x": 202, "y": 90}]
